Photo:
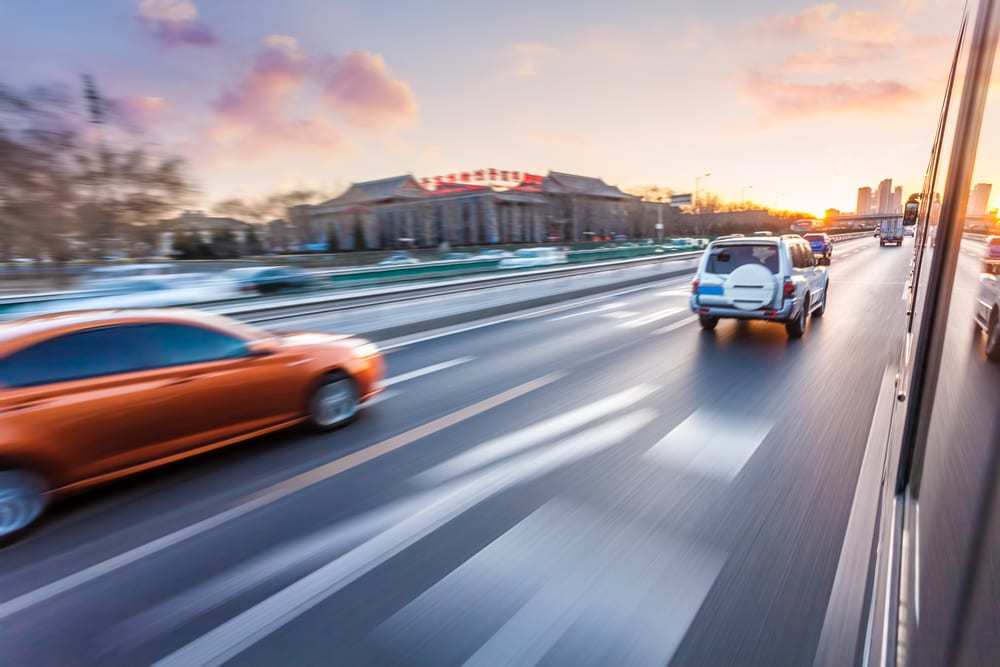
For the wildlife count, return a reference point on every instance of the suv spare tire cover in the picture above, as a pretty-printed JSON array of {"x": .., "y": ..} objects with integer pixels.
[{"x": 750, "y": 287}]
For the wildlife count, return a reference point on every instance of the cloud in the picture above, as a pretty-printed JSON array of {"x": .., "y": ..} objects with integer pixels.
[
  {"x": 526, "y": 58},
  {"x": 175, "y": 23},
  {"x": 361, "y": 87},
  {"x": 787, "y": 98},
  {"x": 235, "y": 140},
  {"x": 139, "y": 111},
  {"x": 258, "y": 115},
  {"x": 278, "y": 71}
]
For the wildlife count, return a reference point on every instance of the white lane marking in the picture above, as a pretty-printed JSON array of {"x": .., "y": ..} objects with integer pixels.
[
  {"x": 380, "y": 398},
  {"x": 590, "y": 594},
  {"x": 711, "y": 443},
  {"x": 394, "y": 344},
  {"x": 162, "y": 618},
  {"x": 247, "y": 628},
  {"x": 268, "y": 496},
  {"x": 619, "y": 314},
  {"x": 427, "y": 370},
  {"x": 590, "y": 311},
  {"x": 514, "y": 443},
  {"x": 675, "y": 292},
  {"x": 676, "y": 325},
  {"x": 649, "y": 319},
  {"x": 558, "y": 308},
  {"x": 567, "y": 570}
]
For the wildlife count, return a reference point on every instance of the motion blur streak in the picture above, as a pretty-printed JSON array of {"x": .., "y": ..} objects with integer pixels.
[
  {"x": 264, "y": 498},
  {"x": 237, "y": 634}
]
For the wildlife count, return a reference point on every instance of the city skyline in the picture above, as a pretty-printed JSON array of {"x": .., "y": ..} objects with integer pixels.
[{"x": 259, "y": 98}]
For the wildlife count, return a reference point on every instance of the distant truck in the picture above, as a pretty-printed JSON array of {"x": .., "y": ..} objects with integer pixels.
[{"x": 891, "y": 231}]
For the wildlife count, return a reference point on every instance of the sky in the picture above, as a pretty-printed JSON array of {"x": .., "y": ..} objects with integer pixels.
[{"x": 791, "y": 104}]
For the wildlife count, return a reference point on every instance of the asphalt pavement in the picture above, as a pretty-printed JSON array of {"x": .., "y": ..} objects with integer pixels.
[{"x": 592, "y": 482}]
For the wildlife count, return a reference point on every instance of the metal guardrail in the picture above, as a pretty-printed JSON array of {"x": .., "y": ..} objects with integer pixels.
[
  {"x": 258, "y": 311},
  {"x": 465, "y": 278},
  {"x": 296, "y": 307}
]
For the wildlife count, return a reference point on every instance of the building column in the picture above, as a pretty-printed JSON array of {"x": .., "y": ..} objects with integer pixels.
[
  {"x": 515, "y": 223},
  {"x": 453, "y": 222},
  {"x": 489, "y": 213},
  {"x": 372, "y": 232}
]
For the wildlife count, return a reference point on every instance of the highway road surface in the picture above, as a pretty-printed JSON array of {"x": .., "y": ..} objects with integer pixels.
[{"x": 590, "y": 483}]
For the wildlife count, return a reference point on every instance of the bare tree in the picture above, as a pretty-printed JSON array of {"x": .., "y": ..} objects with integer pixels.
[
  {"x": 266, "y": 208},
  {"x": 64, "y": 190}
]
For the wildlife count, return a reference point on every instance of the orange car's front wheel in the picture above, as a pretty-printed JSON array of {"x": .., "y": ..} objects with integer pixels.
[
  {"x": 334, "y": 402},
  {"x": 22, "y": 501}
]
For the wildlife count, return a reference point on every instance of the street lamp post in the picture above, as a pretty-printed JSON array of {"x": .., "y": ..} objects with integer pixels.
[{"x": 697, "y": 179}]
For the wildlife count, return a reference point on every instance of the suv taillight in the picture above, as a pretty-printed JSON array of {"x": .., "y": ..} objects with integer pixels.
[
  {"x": 694, "y": 286},
  {"x": 788, "y": 289}
]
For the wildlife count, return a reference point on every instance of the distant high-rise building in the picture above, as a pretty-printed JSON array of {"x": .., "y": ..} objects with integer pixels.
[
  {"x": 864, "y": 206},
  {"x": 883, "y": 199},
  {"x": 897, "y": 200},
  {"x": 979, "y": 199}
]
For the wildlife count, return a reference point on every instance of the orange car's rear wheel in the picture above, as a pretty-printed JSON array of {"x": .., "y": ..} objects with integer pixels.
[
  {"x": 22, "y": 501},
  {"x": 334, "y": 402}
]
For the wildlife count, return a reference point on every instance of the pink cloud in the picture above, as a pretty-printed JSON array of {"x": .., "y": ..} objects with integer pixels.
[
  {"x": 802, "y": 99},
  {"x": 254, "y": 118},
  {"x": 139, "y": 111},
  {"x": 278, "y": 72},
  {"x": 175, "y": 23},
  {"x": 361, "y": 87},
  {"x": 237, "y": 140}
]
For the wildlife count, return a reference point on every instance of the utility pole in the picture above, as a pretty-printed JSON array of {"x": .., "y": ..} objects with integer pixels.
[{"x": 96, "y": 108}]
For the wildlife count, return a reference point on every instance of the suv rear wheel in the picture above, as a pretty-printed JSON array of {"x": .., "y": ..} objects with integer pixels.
[
  {"x": 993, "y": 337},
  {"x": 797, "y": 327},
  {"x": 707, "y": 322}
]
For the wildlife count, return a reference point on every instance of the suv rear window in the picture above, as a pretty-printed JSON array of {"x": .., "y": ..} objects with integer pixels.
[{"x": 724, "y": 259}]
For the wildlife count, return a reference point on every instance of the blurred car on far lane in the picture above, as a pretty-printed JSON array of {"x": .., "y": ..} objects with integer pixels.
[
  {"x": 527, "y": 257},
  {"x": 154, "y": 291},
  {"x": 821, "y": 246},
  {"x": 91, "y": 396},
  {"x": 494, "y": 253},
  {"x": 399, "y": 259},
  {"x": 763, "y": 233},
  {"x": 457, "y": 256},
  {"x": 680, "y": 245},
  {"x": 987, "y": 312},
  {"x": 271, "y": 279}
]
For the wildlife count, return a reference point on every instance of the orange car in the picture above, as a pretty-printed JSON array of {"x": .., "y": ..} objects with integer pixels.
[{"x": 90, "y": 396}]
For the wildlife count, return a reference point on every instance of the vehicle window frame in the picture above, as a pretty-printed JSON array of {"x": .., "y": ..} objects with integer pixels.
[
  {"x": 61, "y": 380},
  {"x": 148, "y": 362}
]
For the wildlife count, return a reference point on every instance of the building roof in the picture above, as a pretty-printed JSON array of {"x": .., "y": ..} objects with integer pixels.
[
  {"x": 371, "y": 192},
  {"x": 559, "y": 183}
]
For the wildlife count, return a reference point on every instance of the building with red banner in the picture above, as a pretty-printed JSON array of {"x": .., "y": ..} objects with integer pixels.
[{"x": 482, "y": 206}]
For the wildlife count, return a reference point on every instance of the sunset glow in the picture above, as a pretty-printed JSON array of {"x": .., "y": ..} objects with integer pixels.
[{"x": 802, "y": 102}]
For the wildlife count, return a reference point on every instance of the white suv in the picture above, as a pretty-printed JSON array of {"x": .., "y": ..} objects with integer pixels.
[{"x": 760, "y": 278}]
